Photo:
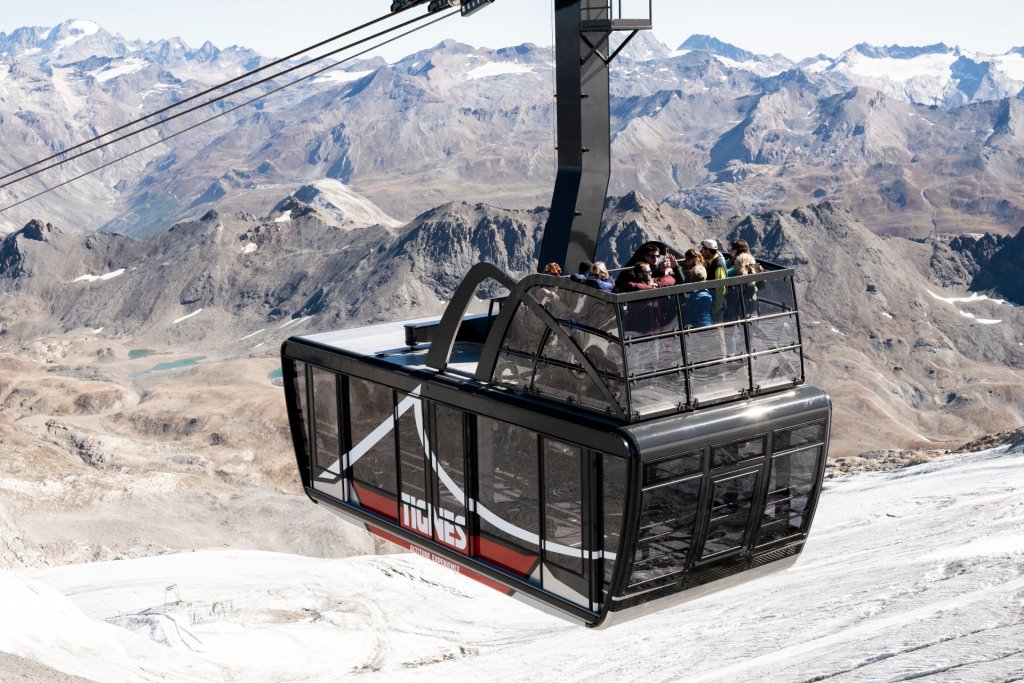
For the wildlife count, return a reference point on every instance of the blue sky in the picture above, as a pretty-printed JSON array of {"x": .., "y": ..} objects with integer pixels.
[{"x": 796, "y": 28}]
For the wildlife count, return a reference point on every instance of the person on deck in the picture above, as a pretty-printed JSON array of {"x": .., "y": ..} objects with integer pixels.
[
  {"x": 691, "y": 259},
  {"x": 600, "y": 278},
  {"x": 641, "y": 278},
  {"x": 661, "y": 268},
  {"x": 735, "y": 249},
  {"x": 583, "y": 272},
  {"x": 716, "y": 270},
  {"x": 697, "y": 305}
]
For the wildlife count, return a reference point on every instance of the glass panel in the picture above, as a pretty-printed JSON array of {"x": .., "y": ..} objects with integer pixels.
[
  {"x": 325, "y": 421},
  {"x": 792, "y": 480},
  {"x": 654, "y": 394},
  {"x": 704, "y": 346},
  {"x": 776, "y": 369},
  {"x": 723, "y": 456},
  {"x": 605, "y": 355},
  {"x": 563, "y": 506},
  {"x": 415, "y": 510},
  {"x": 697, "y": 307},
  {"x": 449, "y": 449},
  {"x": 773, "y": 333},
  {"x": 741, "y": 301},
  {"x": 513, "y": 371},
  {"x": 300, "y": 403},
  {"x": 730, "y": 513},
  {"x": 566, "y": 383},
  {"x": 593, "y": 313},
  {"x": 613, "y": 502},
  {"x": 557, "y": 302},
  {"x": 673, "y": 468},
  {"x": 654, "y": 316},
  {"x": 667, "y": 521},
  {"x": 794, "y": 437},
  {"x": 735, "y": 339},
  {"x": 372, "y": 457},
  {"x": 524, "y": 332},
  {"x": 716, "y": 382},
  {"x": 508, "y": 504},
  {"x": 776, "y": 296},
  {"x": 558, "y": 348},
  {"x": 654, "y": 355},
  {"x": 780, "y": 529}
]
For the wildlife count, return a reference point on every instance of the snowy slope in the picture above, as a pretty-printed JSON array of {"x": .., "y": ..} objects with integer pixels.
[{"x": 908, "y": 573}]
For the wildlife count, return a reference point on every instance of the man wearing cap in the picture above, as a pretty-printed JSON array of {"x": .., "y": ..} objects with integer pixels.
[{"x": 717, "y": 270}]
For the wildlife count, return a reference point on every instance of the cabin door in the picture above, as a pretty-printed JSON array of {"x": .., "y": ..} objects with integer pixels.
[{"x": 431, "y": 471}]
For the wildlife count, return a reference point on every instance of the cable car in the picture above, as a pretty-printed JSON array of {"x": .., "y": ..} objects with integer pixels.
[
  {"x": 584, "y": 451},
  {"x": 580, "y": 449}
]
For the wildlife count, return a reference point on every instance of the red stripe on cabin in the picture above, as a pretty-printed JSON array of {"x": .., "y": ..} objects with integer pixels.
[
  {"x": 380, "y": 503},
  {"x": 505, "y": 557}
]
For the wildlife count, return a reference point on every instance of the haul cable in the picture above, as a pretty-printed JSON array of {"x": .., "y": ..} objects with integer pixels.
[
  {"x": 195, "y": 108},
  {"x": 232, "y": 109}
]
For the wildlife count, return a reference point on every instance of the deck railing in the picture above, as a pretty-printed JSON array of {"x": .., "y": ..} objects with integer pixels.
[{"x": 637, "y": 355}]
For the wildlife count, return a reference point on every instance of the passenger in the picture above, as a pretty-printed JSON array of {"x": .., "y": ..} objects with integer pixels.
[
  {"x": 747, "y": 265},
  {"x": 691, "y": 259},
  {"x": 600, "y": 277},
  {"x": 641, "y": 278},
  {"x": 697, "y": 305},
  {"x": 735, "y": 249},
  {"x": 716, "y": 270},
  {"x": 583, "y": 272},
  {"x": 553, "y": 269},
  {"x": 649, "y": 253},
  {"x": 661, "y": 268}
]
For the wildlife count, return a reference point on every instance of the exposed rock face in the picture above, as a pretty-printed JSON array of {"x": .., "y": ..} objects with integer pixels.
[{"x": 1003, "y": 271}]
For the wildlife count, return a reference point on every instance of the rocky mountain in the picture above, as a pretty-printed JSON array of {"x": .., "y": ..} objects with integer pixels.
[
  {"x": 915, "y": 141},
  {"x": 891, "y": 327}
]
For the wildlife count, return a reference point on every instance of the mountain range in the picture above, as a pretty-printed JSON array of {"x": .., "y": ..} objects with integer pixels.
[{"x": 914, "y": 140}]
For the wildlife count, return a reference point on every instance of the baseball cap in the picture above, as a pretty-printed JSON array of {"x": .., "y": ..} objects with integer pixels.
[{"x": 710, "y": 244}]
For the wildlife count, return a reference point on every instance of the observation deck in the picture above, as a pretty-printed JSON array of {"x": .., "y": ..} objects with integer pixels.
[{"x": 628, "y": 356}]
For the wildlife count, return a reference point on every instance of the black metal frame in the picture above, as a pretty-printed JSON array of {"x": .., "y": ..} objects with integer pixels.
[{"x": 582, "y": 28}]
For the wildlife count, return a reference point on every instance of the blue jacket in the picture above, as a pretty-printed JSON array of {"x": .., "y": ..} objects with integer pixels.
[
  {"x": 605, "y": 285},
  {"x": 697, "y": 309}
]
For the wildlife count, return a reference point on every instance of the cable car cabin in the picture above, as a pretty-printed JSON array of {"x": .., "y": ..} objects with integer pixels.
[{"x": 582, "y": 450}]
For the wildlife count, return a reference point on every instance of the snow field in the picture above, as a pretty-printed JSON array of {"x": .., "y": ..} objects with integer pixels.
[{"x": 910, "y": 572}]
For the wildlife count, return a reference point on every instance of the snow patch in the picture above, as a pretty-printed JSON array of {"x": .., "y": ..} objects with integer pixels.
[
  {"x": 933, "y": 66},
  {"x": 352, "y": 209},
  {"x": 284, "y": 217},
  {"x": 1012, "y": 65},
  {"x": 249, "y": 248},
  {"x": 497, "y": 69},
  {"x": 295, "y": 321},
  {"x": 973, "y": 298},
  {"x": 186, "y": 317},
  {"x": 127, "y": 66},
  {"x": 78, "y": 30},
  {"x": 98, "y": 330},
  {"x": 340, "y": 77},
  {"x": 759, "y": 68},
  {"x": 94, "y": 278},
  {"x": 983, "y": 547},
  {"x": 249, "y": 336}
]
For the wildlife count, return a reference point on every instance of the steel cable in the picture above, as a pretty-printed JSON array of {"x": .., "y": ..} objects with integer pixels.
[
  {"x": 232, "y": 109},
  {"x": 197, "y": 107}
]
